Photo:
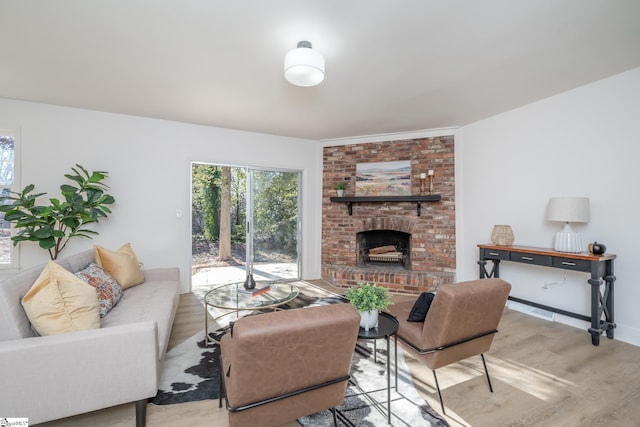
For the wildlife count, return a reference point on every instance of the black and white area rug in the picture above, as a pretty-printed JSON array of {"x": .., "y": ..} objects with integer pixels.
[
  {"x": 190, "y": 373},
  {"x": 408, "y": 408},
  {"x": 190, "y": 370}
]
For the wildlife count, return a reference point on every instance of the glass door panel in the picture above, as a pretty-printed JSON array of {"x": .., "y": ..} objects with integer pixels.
[
  {"x": 262, "y": 225},
  {"x": 273, "y": 229}
]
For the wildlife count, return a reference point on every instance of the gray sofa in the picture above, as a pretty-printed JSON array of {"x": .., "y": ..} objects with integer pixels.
[{"x": 51, "y": 377}]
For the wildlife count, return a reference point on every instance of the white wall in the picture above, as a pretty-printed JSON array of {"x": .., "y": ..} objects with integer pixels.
[
  {"x": 584, "y": 142},
  {"x": 149, "y": 174}
]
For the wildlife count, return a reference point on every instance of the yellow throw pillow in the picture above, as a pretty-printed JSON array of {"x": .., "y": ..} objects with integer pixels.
[
  {"x": 122, "y": 265},
  {"x": 59, "y": 302}
]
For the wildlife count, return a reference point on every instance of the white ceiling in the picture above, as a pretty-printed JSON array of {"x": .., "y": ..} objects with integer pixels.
[{"x": 391, "y": 66}]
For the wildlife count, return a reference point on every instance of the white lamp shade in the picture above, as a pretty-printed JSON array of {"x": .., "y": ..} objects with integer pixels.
[
  {"x": 568, "y": 209},
  {"x": 304, "y": 66}
]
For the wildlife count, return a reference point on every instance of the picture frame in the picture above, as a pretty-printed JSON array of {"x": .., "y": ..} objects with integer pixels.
[{"x": 383, "y": 178}]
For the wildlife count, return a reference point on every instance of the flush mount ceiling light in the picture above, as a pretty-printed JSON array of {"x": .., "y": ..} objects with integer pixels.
[{"x": 304, "y": 66}]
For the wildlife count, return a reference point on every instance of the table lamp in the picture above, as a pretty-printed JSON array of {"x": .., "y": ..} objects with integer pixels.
[{"x": 568, "y": 209}]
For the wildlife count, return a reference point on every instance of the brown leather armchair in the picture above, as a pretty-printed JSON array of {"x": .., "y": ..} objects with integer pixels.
[
  {"x": 280, "y": 366},
  {"x": 461, "y": 322}
]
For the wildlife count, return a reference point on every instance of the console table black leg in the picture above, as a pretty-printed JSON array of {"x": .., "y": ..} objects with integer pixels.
[
  {"x": 483, "y": 269},
  {"x": 495, "y": 269},
  {"x": 609, "y": 279},
  {"x": 611, "y": 324},
  {"x": 596, "y": 313}
]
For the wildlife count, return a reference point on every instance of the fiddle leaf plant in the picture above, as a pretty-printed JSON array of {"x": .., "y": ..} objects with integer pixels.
[
  {"x": 82, "y": 203},
  {"x": 367, "y": 297}
]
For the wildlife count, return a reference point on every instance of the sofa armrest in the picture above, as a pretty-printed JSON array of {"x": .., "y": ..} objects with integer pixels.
[{"x": 45, "y": 378}]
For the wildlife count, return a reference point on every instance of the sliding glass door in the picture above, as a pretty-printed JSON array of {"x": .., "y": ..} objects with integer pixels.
[
  {"x": 244, "y": 220},
  {"x": 273, "y": 228}
]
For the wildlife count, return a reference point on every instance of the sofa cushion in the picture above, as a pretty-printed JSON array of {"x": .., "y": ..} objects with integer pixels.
[
  {"x": 157, "y": 300},
  {"x": 59, "y": 302},
  {"x": 121, "y": 264},
  {"x": 421, "y": 307},
  {"x": 109, "y": 292}
]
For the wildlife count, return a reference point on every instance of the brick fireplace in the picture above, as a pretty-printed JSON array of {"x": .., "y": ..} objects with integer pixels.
[{"x": 423, "y": 247}]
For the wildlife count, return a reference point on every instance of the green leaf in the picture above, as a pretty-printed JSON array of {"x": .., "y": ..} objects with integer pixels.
[
  {"x": 65, "y": 217},
  {"x": 43, "y": 233},
  {"x": 47, "y": 243},
  {"x": 74, "y": 178},
  {"x": 107, "y": 200},
  {"x": 71, "y": 222},
  {"x": 68, "y": 189},
  {"x": 97, "y": 176},
  {"x": 57, "y": 234}
]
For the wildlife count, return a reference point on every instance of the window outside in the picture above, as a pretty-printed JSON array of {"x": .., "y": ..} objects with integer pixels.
[{"x": 7, "y": 183}]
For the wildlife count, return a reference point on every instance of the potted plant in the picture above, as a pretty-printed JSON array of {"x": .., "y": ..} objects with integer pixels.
[
  {"x": 340, "y": 187},
  {"x": 368, "y": 299},
  {"x": 54, "y": 225}
]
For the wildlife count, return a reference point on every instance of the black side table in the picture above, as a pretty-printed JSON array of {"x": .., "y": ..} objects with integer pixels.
[{"x": 387, "y": 326}]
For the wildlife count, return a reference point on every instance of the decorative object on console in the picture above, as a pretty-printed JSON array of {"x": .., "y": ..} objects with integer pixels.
[
  {"x": 304, "y": 66},
  {"x": 340, "y": 187},
  {"x": 54, "y": 225},
  {"x": 502, "y": 235},
  {"x": 597, "y": 248},
  {"x": 568, "y": 209},
  {"x": 368, "y": 299}
]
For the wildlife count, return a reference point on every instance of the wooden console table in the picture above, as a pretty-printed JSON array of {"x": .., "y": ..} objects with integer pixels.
[{"x": 599, "y": 266}]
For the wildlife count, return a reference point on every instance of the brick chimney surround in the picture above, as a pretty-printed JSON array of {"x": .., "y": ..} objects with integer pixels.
[{"x": 432, "y": 234}]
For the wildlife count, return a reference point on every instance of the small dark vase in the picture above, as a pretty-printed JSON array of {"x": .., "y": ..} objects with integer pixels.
[
  {"x": 597, "y": 248},
  {"x": 249, "y": 283}
]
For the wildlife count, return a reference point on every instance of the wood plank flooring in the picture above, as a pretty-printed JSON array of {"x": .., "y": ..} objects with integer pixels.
[{"x": 543, "y": 374}]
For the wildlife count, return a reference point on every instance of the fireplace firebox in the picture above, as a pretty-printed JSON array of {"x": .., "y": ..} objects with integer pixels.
[{"x": 389, "y": 248}]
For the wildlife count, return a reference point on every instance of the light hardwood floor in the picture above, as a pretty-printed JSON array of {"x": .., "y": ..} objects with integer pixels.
[{"x": 543, "y": 374}]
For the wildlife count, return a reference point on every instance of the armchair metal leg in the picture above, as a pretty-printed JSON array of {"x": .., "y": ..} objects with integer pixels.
[
  {"x": 335, "y": 418},
  {"x": 220, "y": 383},
  {"x": 220, "y": 397},
  {"x": 486, "y": 371},
  {"x": 435, "y": 377}
]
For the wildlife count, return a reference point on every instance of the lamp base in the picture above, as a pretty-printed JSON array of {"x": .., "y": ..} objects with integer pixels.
[{"x": 567, "y": 240}]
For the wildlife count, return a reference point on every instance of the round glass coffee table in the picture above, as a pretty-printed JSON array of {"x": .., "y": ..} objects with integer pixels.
[{"x": 234, "y": 298}]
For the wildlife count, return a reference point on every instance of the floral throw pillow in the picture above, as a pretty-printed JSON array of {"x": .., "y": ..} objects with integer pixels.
[{"x": 109, "y": 291}]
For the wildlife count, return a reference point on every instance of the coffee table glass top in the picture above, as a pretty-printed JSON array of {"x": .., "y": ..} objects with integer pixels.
[{"x": 265, "y": 295}]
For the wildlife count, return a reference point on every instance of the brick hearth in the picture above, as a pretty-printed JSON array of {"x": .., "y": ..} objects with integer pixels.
[{"x": 432, "y": 234}]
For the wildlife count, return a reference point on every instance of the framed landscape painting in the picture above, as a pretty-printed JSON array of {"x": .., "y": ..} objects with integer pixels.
[{"x": 383, "y": 178}]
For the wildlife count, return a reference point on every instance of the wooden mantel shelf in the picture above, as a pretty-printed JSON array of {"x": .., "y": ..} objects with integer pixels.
[{"x": 350, "y": 200}]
